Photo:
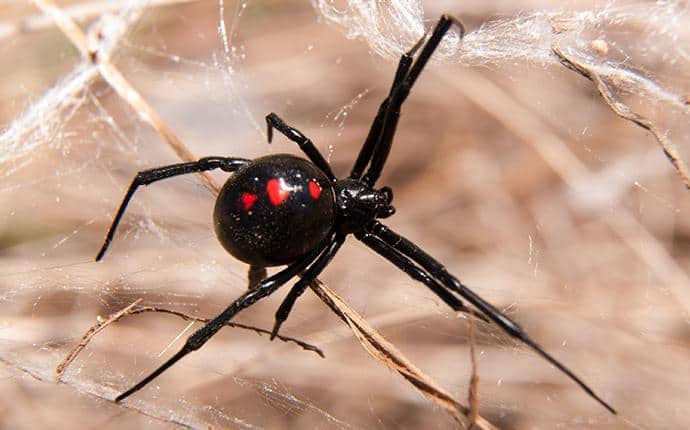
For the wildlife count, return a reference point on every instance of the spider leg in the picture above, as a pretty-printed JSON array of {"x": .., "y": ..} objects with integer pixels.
[
  {"x": 399, "y": 94},
  {"x": 438, "y": 271},
  {"x": 305, "y": 144},
  {"x": 255, "y": 274},
  {"x": 147, "y": 177},
  {"x": 300, "y": 286},
  {"x": 375, "y": 129},
  {"x": 265, "y": 288},
  {"x": 406, "y": 265}
]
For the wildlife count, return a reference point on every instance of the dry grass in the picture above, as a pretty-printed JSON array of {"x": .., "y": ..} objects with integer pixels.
[{"x": 519, "y": 177}]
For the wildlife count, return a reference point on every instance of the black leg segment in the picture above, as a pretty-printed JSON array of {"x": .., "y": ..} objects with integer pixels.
[
  {"x": 375, "y": 129},
  {"x": 438, "y": 271},
  {"x": 201, "y": 336},
  {"x": 300, "y": 287},
  {"x": 399, "y": 94},
  {"x": 150, "y": 176},
  {"x": 305, "y": 144},
  {"x": 415, "y": 272}
]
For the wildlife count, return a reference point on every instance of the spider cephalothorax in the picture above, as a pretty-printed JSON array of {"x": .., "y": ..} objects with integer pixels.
[
  {"x": 281, "y": 209},
  {"x": 358, "y": 203}
]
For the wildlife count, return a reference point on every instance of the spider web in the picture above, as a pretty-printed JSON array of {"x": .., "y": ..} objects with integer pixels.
[{"x": 516, "y": 171}]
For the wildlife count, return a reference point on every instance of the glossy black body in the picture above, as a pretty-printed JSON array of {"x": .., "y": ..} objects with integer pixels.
[{"x": 274, "y": 232}]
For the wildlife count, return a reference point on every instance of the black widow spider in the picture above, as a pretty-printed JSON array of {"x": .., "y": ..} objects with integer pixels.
[{"x": 284, "y": 210}]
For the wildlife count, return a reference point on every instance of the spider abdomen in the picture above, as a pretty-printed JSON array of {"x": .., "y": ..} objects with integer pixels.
[{"x": 274, "y": 210}]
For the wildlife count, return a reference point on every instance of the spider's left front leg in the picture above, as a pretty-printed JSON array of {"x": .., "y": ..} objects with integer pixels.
[
  {"x": 406, "y": 247},
  {"x": 304, "y": 143}
]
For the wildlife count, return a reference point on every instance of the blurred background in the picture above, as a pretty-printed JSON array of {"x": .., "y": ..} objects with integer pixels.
[{"x": 507, "y": 167}]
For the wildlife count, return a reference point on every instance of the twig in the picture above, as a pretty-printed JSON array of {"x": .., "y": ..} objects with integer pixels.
[
  {"x": 536, "y": 133},
  {"x": 90, "y": 333},
  {"x": 258, "y": 330},
  {"x": 101, "y": 58},
  {"x": 473, "y": 392},
  {"x": 134, "y": 309},
  {"x": 382, "y": 350},
  {"x": 80, "y": 12},
  {"x": 624, "y": 111}
]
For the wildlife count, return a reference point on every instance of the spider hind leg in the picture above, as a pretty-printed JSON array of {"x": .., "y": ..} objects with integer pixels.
[
  {"x": 300, "y": 287},
  {"x": 263, "y": 289},
  {"x": 388, "y": 238}
]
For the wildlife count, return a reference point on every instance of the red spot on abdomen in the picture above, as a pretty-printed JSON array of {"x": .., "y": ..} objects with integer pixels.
[
  {"x": 276, "y": 193},
  {"x": 314, "y": 190},
  {"x": 248, "y": 200}
]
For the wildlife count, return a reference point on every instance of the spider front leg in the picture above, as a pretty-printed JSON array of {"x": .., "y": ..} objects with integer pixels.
[
  {"x": 265, "y": 288},
  {"x": 399, "y": 94},
  {"x": 146, "y": 177},
  {"x": 438, "y": 271},
  {"x": 375, "y": 129},
  {"x": 304, "y": 143}
]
